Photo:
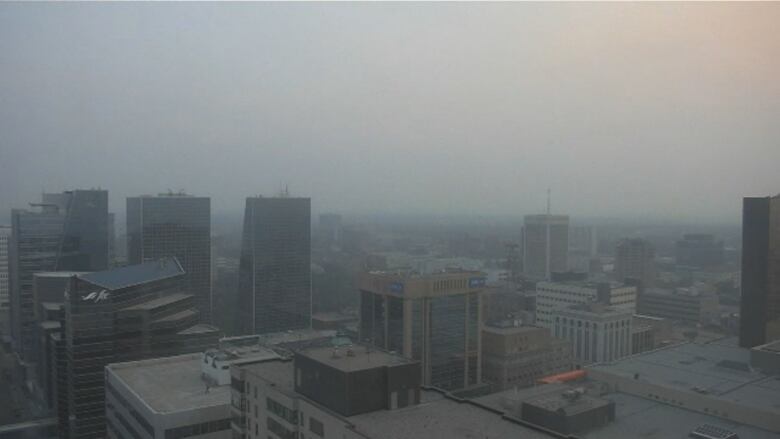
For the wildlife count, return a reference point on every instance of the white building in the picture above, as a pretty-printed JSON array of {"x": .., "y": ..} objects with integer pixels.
[
  {"x": 551, "y": 296},
  {"x": 188, "y": 395},
  {"x": 597, "y": 333}
]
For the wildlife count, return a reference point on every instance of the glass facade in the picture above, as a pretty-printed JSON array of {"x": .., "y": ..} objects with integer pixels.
[
  {"x": 179, "y": 226},
  {"x": 69, "y": 232},
  {"x": 440, "y": 329},
  {"x": 275, "y": 266}
]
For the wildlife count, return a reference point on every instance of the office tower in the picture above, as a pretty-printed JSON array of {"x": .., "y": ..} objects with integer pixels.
[
  {"x": 635, "y": 260},
  {"x": 5, "y": 304},
  {"x": 699, "y": 250},
  {"x": 67, "y": 231},
  {"x": 518, "y": 356},
  {"x": 330, "y": 229},
  {"x": 124, "y": 314},
  {"x": 111, "y": 239},
  {"x": 174, "y": 225},
  {"x": 275, "y": 268},
  {"x": 597, "y": 332},
  {"x": 551, "y": 296},
  {"x": 545, "y": 245},
  {"x": 760, "y": 307},
  {"x": 584, "y": 239},
  {"x": 433, "y": 318}
]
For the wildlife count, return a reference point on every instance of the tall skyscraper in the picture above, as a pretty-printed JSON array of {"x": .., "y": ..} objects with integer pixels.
[
  {"x": 700, "y": 250},
  {"x": 124, "y": 314},
  {"x": 545, "y": 245},
  {"x": 635, "y": 259},
  {"x": 275, "y": 267},
  {"x": 175, "y": 225},
  {"x": 67, "y": 231},
  {"x": 434, "y": 318},
  {"x": 760, "y": 307},
  {"x": 5, "y": 305}
]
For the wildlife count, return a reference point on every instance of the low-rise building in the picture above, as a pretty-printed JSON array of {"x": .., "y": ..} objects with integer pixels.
[
  {"x": 518, "y": 356},
  {"x": 597, "y": 332},
  {"x": 551, "y": 296},
  {"x": 683, "y": 305},
  {"x": 356, "y": 392},
  {"x": 715, "y": 379}
]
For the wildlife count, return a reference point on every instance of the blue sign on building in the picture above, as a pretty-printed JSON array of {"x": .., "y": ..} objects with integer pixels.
[
  {"x": 476, "y": 282},
  {"x": 396, "y": 287}
]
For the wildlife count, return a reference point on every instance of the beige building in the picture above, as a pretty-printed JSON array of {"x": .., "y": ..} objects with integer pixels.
[
  {"x": 553, "y": 296},
  {"x": 518, "y": 356},
  {"x": 433, "y": 318}
]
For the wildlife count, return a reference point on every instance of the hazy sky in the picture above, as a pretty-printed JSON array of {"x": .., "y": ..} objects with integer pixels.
[{"x": 626, "y": 110}]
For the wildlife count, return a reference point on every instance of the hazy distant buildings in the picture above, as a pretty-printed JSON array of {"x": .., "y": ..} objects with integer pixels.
[
  {"x": 545, "y": 245},
  {"x": 66, "y": 231},
  {"x": 684, "y": 305},
  {"x": 760, "y": 307},
  {"x": 124, "y": 314},
  {"x": 275, "y": 267},
  {"x": 434, "y": 319},
  {"x": 551, "y": 296},
  {"x": 699, "y": 250},
  {"x": 174, "y": 225},
  {"x": 635, "y": 261},
  {"x": 330, "y": 229}
]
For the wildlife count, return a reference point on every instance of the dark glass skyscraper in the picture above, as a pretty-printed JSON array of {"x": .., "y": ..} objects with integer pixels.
[
  {"x": 760, "y": 307},
  {"x": 274, "y": 271},
  {"x": 124, "y": 314},
  {"x": 174, "y": 225},
  {"x": 66, "y": 231}
]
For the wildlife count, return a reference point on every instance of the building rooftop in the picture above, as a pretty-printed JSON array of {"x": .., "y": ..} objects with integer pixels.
[
  {"x": 439, "y": 417},
  {"x": 60, "y": 274},
  {"x": 200, "y": 328},
  {"x": 353, "y": 358},
  {"x": 158, "y": 302},
  {"x": 333, "y": 317},
  {"x": 635, "y": 417},
  {"x": 436, "y": 417},
  {"x": 718, "y": 369},
  {"x": 170, "y": 384},
  {"x": 130, "y": 275}
]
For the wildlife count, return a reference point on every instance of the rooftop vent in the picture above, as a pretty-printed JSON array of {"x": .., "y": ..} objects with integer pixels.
[{"x": 709, "y": 431}]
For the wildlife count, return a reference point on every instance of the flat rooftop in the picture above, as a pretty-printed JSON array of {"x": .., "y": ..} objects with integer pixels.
[
  {"x": 170, "y": 384},
  {"x": 438, "y": 417},
  {"x": 720, "y": 368},
  {"x": 158, "y": 302},
  {"x": 510, "y": 330},
  {"x": 131, "y": 275},
  {"x": 352, "y": 358},
  {"x": 635, "y": 417}
]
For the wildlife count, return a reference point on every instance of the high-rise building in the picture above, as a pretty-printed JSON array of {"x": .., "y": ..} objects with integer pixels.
[
  {"x": 635, "y": 260},
  {"x": 433, "y": 318},
  {"x": 275, "y": 267},
  {"x": 5, "y": 304},
  {"x": 174, "y": 225},
  {"x": 545, "y": 245},
  {"x": 552, "y": 296},
  {"x": 68, "y": 231},
  {"x": 330, "y": 229},
  {"x": 124, "y": 314},
  {"x": 699, "y": 250},
  {"x": 760, "y": 307}
]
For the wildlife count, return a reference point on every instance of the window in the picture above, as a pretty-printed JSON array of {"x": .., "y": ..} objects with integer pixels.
[{"x": 316, "y": 427}]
